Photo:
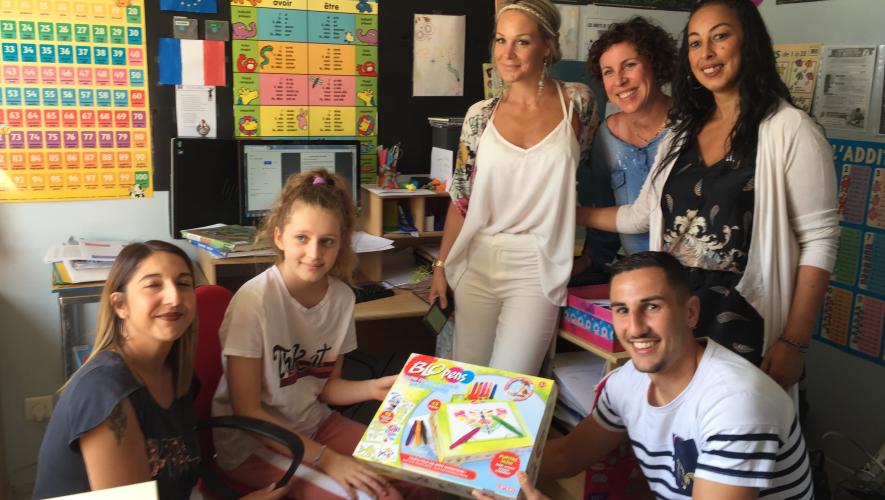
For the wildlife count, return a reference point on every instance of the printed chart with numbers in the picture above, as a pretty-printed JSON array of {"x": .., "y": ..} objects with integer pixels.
[
  {"x": 854, "y": 307},
  {"x": 74, "y": 119},
  {"x": 307, "y": 69}
]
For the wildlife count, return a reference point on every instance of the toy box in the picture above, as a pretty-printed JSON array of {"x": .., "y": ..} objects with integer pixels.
[
  {"x": 592, "y": 322},
  {"x": 457, "y": 427}
]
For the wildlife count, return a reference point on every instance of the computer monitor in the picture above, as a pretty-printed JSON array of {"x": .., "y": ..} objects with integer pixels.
[{"x": 266, "y": 164}]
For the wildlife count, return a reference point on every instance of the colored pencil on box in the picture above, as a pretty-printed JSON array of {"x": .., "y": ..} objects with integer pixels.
[
  {"x": 505, "y": 424},
  {"x": 419, "y": 433},
  {"x": 423, "y": 433},
  {"x": 463, "y": 439},
  {"x": 411, "y": 433}
]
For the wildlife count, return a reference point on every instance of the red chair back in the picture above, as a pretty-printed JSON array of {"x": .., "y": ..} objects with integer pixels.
[{"x": 212, "y": 301}]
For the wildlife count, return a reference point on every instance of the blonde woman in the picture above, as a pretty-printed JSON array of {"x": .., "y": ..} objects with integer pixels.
[{"x": 508, "y": 240}]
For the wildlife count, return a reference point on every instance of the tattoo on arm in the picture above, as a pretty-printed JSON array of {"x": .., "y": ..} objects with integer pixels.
[{"x": 117, "y": 422}]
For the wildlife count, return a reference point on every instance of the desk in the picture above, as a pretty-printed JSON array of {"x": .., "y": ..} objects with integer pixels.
[{"x": 209, "y": 264}]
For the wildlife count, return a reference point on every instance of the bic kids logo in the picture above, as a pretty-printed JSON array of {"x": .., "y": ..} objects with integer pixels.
[{"x": 427, "y": 366}]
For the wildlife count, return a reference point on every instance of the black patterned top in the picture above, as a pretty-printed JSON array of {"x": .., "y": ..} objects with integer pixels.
[{"x": 708, "y": 212}]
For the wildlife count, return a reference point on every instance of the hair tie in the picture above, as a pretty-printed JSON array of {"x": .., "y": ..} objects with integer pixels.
[{"x": 319, "y": 180}]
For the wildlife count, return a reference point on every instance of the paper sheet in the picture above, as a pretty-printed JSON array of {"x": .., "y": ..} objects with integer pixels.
[
  {"x": 438, "y": 66},
  {"x": 843, "y": 97},
  {"x": 195, "y": 111},
  {"x": 441, "y": 163}
]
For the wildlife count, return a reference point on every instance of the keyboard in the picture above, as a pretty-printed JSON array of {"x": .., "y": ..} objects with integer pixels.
[{"x": 370, "y": 291}]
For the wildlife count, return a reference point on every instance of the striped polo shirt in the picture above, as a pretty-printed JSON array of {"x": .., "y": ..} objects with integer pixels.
[{"x": 732, "y": 424}]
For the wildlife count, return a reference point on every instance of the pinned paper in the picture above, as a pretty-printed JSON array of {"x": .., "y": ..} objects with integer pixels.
[
  {"x": 184, "y": 28},
  {"x": 191, "y": 62},
  {"x": 217, "y": 30}
]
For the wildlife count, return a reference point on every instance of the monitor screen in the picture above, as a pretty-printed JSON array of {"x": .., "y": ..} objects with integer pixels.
[{"x": 267, "y": 164}]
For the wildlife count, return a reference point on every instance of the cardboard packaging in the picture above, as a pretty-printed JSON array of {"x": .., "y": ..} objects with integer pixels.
[
  {"x": 457, "y": 427},
  {"x": 588, "y": 320}
]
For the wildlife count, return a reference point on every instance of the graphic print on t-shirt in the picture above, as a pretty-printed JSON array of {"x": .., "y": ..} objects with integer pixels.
[
  {"x": 293, "y": 363},
  {"x": 685, "y": 459},
  {"x": 170, "y": 454}
]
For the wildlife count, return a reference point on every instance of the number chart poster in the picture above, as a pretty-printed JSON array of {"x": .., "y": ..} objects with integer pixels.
[
  {"x": 307, "y": 69},
  {"x": 74, "y": 121},
  {"x": 854, "y": 308}
]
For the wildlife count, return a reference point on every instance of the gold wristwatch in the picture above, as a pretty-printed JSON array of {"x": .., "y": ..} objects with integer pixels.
[{"x": 438, "y": 264}]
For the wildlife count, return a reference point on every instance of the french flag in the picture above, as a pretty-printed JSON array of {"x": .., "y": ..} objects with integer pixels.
[{"x": 191, "y": 62}]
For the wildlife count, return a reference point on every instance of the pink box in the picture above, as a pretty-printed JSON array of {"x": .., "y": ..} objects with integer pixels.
[{"x": 592, "y": 322}]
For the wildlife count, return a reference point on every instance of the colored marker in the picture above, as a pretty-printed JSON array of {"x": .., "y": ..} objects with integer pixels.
[
  {"x": 494, "y": 388},
  {"x": 505, "y": 424},
  {"x": 463, "y": 439}
]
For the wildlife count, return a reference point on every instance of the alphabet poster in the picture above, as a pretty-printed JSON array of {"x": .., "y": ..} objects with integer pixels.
[
  {"x": 854, "y": 307},
  {"x": 307, "y": 69},
  {"x": 74, "y": 120}
]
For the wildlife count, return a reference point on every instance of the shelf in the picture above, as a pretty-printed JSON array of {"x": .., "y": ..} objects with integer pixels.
[
  {"x": 612, "y": 359},
  {"x": 371, "y": 218}
]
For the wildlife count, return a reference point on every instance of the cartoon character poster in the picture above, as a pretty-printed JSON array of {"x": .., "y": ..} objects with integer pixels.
[
  {"x": 307, "y": 69},
  {"x": 74, "y": 119}
]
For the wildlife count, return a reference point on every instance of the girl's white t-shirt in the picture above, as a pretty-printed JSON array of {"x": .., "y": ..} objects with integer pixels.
[{"x": 299, "y": 347}]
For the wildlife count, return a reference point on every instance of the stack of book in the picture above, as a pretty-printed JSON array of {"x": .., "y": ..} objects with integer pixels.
[
  {"x": 81, "y": 260},
  {"x": 223, "y": 240}
]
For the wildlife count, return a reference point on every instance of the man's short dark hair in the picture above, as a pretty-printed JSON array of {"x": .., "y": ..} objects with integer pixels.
[{"x": 676, "y": 273}]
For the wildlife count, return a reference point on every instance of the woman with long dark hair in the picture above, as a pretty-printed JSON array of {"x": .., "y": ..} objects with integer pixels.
[{"x": 743, "y": 193}]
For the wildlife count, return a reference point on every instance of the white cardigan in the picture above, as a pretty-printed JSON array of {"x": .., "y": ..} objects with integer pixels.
[{"x": 795, "y": 222}]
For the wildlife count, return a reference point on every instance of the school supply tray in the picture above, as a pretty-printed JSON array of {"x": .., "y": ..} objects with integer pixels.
[
  {"x": 590, "y": 320},
  {"x": 457, "y": 427}
]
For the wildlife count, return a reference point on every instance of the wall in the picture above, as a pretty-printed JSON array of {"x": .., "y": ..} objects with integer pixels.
[{"x": 846, "y": 393}]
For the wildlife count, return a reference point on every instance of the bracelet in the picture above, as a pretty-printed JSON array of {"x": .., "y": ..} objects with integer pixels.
[
  {"x": 438, "y": 264},
  {"x": 803, "y": 348},
  {"x": 316, "y": 459}
]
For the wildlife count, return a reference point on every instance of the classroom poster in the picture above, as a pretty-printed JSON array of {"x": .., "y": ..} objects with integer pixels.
[
  {"x": 797, "y": 63},
  {"x": 853, "y": 317},
  {"x": 649, "y": 4},
  {"x": 307, "y": 69},
  {"x": 74, "y": 120},
  {"x": 590, "y": 28}
]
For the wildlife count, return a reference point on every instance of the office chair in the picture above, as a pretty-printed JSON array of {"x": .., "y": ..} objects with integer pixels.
[{"x": 212, "y": 302}]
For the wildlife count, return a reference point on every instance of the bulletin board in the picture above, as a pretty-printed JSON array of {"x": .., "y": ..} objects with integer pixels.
[
  {"x": 307, "y": 69},
  {"x": 74, "y": 121},
  {"x": 400, "y": 117},
  {"x": 853, "y": 316}
]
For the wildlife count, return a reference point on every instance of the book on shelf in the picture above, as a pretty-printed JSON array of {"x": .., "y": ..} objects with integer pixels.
[
  {"x": 217, "y": 253},
  {"x": 226, "y": 237}
]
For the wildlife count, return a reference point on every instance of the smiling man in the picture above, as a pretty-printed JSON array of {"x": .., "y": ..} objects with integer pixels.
[{"x": 703, "y": 422}]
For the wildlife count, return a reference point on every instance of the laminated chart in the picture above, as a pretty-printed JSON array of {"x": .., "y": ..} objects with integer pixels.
[
  {"x": 307, "y": 69},
  {"x": 837, "y": 315},
  {"x": 74, "y": 120},
  {"x": 853, "y": 317}
]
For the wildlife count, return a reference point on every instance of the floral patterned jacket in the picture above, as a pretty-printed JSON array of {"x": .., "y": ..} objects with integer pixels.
[{"x": 475, "y": 123}]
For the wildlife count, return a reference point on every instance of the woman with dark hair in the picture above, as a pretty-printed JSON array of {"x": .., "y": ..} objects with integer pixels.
[
  {"x": 743, "y": 193},
  {"x": 632, "y": 61}
]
